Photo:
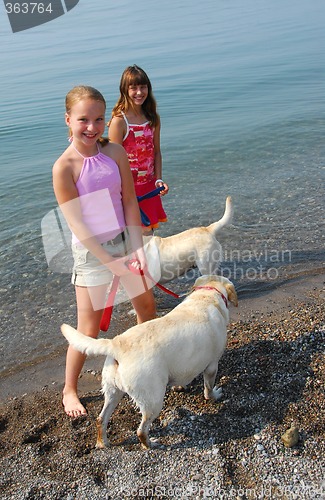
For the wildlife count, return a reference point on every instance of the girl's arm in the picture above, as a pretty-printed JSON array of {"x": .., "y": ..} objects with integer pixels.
[
  {"x": 158, "y": 160},
  {"x": 129, "y": 200},
  {"x": 116, "y": 130}
]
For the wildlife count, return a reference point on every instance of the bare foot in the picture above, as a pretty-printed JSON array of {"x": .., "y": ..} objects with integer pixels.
[{"x": 72, "y": 405}]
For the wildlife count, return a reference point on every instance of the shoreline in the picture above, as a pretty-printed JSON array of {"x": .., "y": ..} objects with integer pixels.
[
  {"x": 39, "y": 374},
  {"x": 272, "y": 375}
]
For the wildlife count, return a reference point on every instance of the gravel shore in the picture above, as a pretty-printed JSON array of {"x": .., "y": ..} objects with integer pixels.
[{"x": 272, "y": 375}]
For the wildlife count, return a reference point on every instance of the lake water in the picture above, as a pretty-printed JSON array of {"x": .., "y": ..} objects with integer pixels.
[{"x": 240, "y": 90}]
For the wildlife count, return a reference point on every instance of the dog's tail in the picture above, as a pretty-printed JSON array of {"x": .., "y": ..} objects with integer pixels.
[
  {"x": 226, "y": 219},
  {"x": 87, "y": 345}
]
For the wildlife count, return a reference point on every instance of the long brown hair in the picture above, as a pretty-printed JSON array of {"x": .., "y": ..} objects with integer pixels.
[
  {"x": 134, "y": 75},
  {"x": 80, "y": 92}
]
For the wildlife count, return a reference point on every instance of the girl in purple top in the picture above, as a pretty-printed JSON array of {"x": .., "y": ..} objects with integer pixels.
[{"x": 94, "y": 187}]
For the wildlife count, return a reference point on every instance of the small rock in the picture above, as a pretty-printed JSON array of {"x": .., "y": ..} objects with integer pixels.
[
  {"x": 291, "y": 437},
  {"x": 197, "y": 477}
]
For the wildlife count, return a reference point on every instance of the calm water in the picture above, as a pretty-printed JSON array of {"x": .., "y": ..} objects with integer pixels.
[{"x": 240, "y": 89}]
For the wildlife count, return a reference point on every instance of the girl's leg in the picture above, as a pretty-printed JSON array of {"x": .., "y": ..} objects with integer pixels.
[
  {"x": 88, "y": 324},
  {"x": 145, "y": 306}
]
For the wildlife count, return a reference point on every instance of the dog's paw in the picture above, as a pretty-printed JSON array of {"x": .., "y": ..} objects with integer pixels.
[
  {"x": 156, "y": 443},
  {"x": 101, "y": 445},
  {"x": 215, "y": 394},
  {"x": 178, "y": 388}
]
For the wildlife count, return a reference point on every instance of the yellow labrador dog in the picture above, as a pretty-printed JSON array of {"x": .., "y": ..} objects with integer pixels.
[
  {"x": 173, "y": 350},
  {"x": 174, "y": 255}
]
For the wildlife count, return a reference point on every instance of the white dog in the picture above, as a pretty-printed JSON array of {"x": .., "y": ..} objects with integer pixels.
[
  {"x": 178, "y": 253},
  {"x": 171, "y": 350}
]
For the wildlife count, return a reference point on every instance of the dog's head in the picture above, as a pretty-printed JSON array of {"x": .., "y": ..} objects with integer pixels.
[{"x": 221, "y": 283}]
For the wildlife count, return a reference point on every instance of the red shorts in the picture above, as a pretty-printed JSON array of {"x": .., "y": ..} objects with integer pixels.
[{"x": 152, "y": 207}]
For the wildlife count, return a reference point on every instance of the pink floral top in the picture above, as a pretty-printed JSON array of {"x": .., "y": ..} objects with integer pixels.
[{"x": 139, "y": 146}]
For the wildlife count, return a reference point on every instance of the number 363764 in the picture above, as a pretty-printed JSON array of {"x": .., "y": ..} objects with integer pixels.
[{"x": 28, "y": 8}]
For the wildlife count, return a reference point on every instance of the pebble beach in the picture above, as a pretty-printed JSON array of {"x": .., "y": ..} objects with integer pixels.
[
  {"x": 239, "y": 87},
  {"x": 264, "y": 439}
]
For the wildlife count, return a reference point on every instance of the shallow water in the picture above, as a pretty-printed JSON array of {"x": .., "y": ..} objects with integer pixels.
[{"x": 240, "y": 93}]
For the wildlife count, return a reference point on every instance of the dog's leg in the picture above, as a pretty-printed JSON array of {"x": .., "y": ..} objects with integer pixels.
[
  {"x": 209, "y": 376},
  {"x": 112, "y": 397},
  {"x": 149, "y": 412},
  {"x": 144, "y": 427}
]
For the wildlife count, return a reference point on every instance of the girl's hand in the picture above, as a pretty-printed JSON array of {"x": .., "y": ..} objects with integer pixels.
[
  {"x": 159, "y": 183},
  {"x": 119, "y": 266},
  {"x": 138, "y": 262},
  {"x": 124, "y": 265}
]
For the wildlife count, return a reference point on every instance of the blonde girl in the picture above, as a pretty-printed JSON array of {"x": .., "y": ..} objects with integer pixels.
[{"x": 94, "y": 188}]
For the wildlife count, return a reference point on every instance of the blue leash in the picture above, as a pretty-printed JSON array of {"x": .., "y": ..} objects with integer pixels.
[{"x": 144, "y": 218}]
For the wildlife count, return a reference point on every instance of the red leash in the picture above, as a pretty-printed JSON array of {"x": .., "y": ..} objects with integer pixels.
[
  {"x": 164, "y": 289},
  {"x": 173, "y": 294},
  {"x": 107, "y": 313}
]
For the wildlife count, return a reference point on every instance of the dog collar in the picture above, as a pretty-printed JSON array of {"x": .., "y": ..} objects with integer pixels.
[{"x": 213, "y": 288}]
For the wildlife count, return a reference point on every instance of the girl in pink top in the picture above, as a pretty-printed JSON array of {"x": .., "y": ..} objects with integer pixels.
[
  {"x": 135, "y": 124},
  {"x": 94, "y": 188}
]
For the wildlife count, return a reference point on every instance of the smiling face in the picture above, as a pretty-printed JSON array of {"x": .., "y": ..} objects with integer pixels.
[
  {"x": 138, "y": 94},
  {"x": 86, "y": 120}
]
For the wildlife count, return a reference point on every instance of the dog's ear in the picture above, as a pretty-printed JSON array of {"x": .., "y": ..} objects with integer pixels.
[{"x": 232, "y": 295}]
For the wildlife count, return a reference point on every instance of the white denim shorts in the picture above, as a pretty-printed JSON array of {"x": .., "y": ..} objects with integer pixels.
[{"x": 88, "y": 271}]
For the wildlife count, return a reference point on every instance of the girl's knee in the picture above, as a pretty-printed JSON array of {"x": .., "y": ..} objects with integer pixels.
[
  {"x": 89, "y": 332},
  {"x": 145, "y": 307},
  {"x": 89, "y": 325},
  {"x": 147, "y": 312}
]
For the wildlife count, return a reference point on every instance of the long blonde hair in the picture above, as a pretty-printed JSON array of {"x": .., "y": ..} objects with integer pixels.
[
  {"x": 134, "y": 75},
  {"x": 80, "y": 92}
]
